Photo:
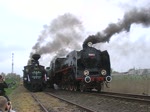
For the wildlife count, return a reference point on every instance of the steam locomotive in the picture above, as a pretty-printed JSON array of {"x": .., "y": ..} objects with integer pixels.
[
  {"x": 34, "y": 75},
  {"x": 82, "y": 70}
]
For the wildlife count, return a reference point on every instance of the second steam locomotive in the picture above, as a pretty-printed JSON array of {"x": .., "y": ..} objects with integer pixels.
[
  {"x": 34, "y": 75},
  {"x": 82, "y": 70}
]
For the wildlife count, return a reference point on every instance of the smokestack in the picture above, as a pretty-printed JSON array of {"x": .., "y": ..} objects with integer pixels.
[
  {"x": 36, "y": 57},
  {"x": 137, "y": 16}
]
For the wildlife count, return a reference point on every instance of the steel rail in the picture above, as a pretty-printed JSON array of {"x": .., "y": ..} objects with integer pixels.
[
  {"x": 79, "y": 106},
  {"x": 41, "y": 105},
  {"x": 140, "y": 98}
]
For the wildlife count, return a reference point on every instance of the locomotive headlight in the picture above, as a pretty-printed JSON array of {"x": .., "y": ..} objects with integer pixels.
[
  {"x": 86, "y": 72},
  {"x": 87, "y": 79},
  {"x": 25, "y": 78},
  {"x": 90, "y": 44},
  {"x": 26, "y": 70},
  {"x": 108, "y": 79},
  {"x": 103, "y": 72}
]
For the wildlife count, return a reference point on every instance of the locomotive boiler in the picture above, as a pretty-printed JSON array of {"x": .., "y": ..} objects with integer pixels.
[
  {"x": 34, "y": 75},
  {"x": 82, "y": 70}
]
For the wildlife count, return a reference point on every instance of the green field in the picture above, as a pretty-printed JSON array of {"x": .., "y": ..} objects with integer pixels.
[
  {"x": 136, "y": 84},
  {"x": 13, "y": 83}
]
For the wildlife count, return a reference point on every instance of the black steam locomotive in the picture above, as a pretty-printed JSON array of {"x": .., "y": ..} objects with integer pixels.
[
  {"x": 81, "y": 70},
  {"x": 34, "y": 75}
]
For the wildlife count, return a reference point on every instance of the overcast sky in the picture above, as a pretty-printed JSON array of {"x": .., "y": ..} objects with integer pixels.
[{"x": 21, "y": 23}]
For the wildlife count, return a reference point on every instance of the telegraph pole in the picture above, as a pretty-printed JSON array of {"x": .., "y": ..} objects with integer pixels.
[{"x": 12, "y": 70}]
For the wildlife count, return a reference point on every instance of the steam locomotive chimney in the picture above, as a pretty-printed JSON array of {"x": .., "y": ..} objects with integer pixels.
[{"x": 36, "y": 57}]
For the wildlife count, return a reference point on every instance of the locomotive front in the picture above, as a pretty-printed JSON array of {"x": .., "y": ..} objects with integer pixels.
[
  {"x": 94, "y": 67},
  {"x": 35, "y": 75}
]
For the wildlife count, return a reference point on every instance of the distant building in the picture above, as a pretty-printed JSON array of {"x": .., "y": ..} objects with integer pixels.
[
  {"x": 138, "y": 72},
  {"x": 133, "y": 72}
]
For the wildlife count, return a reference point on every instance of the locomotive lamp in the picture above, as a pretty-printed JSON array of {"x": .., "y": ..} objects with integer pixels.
[
  {"x": 103, "y": 72},
  {"x": 108, "y": 79},
  {"x": 87, "y": 79},
  {"x": 86, "y": 72},
  {"x": 25, "y": 78},
  {"x": 90, "y": 44},
  {"x": 27, "y": 70}
]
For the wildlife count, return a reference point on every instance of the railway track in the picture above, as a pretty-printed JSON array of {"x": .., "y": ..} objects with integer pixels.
[
  {"x": 23, "y": 101},
  {"x": 43, "y": 108},
  {"x": 131, "y": 97},
  {"x": 104, "y": 100},
  {"x": 85, "y": 109},
  {"x": 75, "y": 101}
]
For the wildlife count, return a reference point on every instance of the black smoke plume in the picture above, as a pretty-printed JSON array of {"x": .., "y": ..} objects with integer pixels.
[
  {"x": 64, "y": 32},
  {"x": 137, "y": 16}
]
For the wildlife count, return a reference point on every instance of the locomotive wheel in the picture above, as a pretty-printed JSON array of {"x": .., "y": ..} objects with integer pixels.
[
  {"x": 71, "y": 87},
  {"x": 82, "y": 87},
  {"x": 99, "y": 87},
  {"x": 33, "y": 88},
  {"x": 66, "y": 87},
  {"x": 75, "y": 88},
  {"x": 63, "y": 87},
  {"x": 40, "y": 87}
]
